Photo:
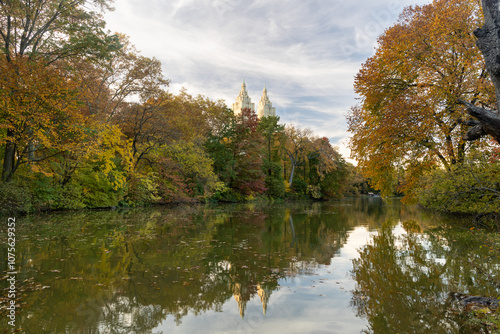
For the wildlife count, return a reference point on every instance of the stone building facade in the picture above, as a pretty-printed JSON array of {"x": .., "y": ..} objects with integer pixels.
[{"x": 243, "y": 100}]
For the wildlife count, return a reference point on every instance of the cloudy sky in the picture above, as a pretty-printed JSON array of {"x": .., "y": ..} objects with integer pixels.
[{"x": 305, "y": 52}]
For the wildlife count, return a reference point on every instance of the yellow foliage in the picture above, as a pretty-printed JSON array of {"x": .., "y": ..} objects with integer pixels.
[
  {"x": 288, "y": 189},
  {"x": 408, "y": 116}
]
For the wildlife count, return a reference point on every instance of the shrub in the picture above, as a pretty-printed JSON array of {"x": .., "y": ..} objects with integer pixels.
[
  {"x": 299, "y": 185},
  {"x": 15, "y": 197},
  {"x": 472, "y": 187},
  {"x": 275, "y": 187},
  {"x": 142, "y": 190}
]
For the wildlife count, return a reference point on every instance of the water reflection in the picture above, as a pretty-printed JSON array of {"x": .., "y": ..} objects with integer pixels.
[
  {"x": 405, "y": 279},
  {"x": 144, "y": 271}
]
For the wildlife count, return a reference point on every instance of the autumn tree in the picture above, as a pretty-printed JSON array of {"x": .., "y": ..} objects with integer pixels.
[
  {"x": 249, "y": 178},
  {"x": 327, "y": 170},
  {"x": 148, "y": 126},
  {"x": 296, "y": 146},
  {"x": 274, "y": 137},
  {"x": 190, "y": 174},
  {"x": 107, "y": 85},
  {"x": 408, "y": 118},
  {"x": 220, "y": 145},
  {"x": 326, "y": 157},
  {"x": 38, "y": 113},
  {"x": 37, "y": 35}
]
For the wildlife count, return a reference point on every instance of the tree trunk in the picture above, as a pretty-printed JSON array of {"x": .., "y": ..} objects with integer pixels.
[
  {"x": 291, "y": 174},
  {"x": 488, "y": 41},
  {"x": 488, "y": 122},
  {"x": 8, "y": 159}
]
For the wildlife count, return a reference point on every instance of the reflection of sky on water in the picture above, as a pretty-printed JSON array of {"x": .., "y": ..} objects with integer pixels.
[
  {"x": 145, "y": 271},
  {"x": 317, "y": 303}
]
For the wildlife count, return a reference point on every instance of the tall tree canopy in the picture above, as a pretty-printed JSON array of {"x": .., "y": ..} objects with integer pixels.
[
  {"x": 35, "y": 36},
  {"x": 54, "y": 29},
  {"x": 408, "y": 117}
]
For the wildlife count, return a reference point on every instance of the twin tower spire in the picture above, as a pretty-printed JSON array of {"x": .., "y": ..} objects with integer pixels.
[{"x": 264, "y": 109}]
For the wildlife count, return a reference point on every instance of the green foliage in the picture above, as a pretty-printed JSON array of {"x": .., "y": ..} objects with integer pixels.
[
  {"x": 142, "y": 190},
  {"x": 275, "y": 187},
  {"x": 219, "y": 146},
  {"x": 98, "y": 189},
  {"x": 299, "y": 185},
  {"x": 15, "y": 196},
  {"x": 334, "y": 183},
  {"x": 71, "y": 137},
  {"x": 71, "y": 197},
  {"x": 471, "y": 187},
  {"x": 51, "y": 195},
  {"x": 314, "y": 191},
  {"x": 247, "y": 146},
  {"x": 196, "y": 168},
  {"x": 274, "y": 179}
]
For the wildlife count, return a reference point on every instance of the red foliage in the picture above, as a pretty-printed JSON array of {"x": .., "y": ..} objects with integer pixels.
[
  {"x": 172, "y": 186},
  {"x": 495, "y": 157}
]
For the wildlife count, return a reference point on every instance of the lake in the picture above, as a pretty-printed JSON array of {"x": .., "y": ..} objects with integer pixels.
[{"x": 354, "y": 266}]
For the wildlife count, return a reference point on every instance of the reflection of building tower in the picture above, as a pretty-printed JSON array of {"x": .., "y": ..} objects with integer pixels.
[
  {"x": 241, "y": 298},
  {"x": 264, "y": 295},
  {"x": 265, "y": 106},
  {"x": 243, "y": 100}
]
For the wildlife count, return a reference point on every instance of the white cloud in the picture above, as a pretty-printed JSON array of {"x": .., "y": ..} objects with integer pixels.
[{"x": 305, "y": 52}]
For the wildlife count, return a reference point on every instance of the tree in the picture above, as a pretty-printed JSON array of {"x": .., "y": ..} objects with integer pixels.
[
  {"x": 327, "y": 169},
  {"x": 296, "y": 147},
  {"x": 326, "y": 158},
  {"x": 39, "y": 34},
  {"x": 249, "y": 178},
  {"x": 408, "y": 118},
  {"x": 471, "y": 187},
  {"x": 219, "y": 144},
  {"x": 38, "y": 113},
  {"x": 107, "y": 85},
  {"x": 195, "y": 167},
  {"x": 274, "y": 137},
  {"x": 273, "y": 134},
  {"x": 148, "y": 125}
]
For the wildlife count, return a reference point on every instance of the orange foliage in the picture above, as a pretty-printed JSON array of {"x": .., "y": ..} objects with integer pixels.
[
  {"x": 408, "y": 114},
  {"x": 38, "y": 110}
]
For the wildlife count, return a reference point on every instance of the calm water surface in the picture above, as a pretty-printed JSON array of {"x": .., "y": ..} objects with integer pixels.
[{"x": 355, "y": 266}]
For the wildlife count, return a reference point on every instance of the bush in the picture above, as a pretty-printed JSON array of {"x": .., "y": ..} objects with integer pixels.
[
  {"x": 49, "y": 195},
  {"x": 314, "y": 191},
  {"x": 229, "y": 195},
  {"x": 15, "y": 197},
  {"x": 97, "y": 189},
  {"x": 275, "y": 187},
  {"x": 69, "y": 197},
  {"x": 299, "y": 185},
  {"x": 142, "y": 190},
  {"x": 472, "y": 187}
]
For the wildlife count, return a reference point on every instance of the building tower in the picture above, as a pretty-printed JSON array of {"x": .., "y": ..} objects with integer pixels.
[
  {"x": 265, "y": 106},
  {"x": 243, "y": 100}
]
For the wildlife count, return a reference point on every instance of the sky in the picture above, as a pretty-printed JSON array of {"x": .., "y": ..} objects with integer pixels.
[{"x": 306, "y": 53}]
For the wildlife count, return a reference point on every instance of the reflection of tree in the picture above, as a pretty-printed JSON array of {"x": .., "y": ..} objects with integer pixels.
[
  {"x": 399, "y": 289},
  {"x": 403, "y": 288}
]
